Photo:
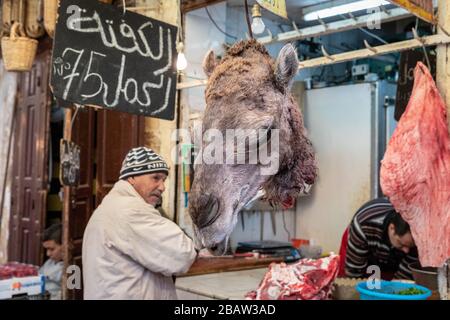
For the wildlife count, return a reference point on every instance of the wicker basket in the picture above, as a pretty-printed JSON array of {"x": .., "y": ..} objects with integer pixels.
[
  {"x": 50, "y": 14},
  {"x": 18, "y": 51}
]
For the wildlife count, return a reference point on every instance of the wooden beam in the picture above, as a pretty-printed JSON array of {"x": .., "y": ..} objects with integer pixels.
[
  {"x": 375, "y": 51},
  {"x": 369, "y": 52},
  {"x": 191, "y": 84},
  {"x": 189, "y": 5},
  {"x": 335, "y": 27},
  {"x": 67, "y": 135},
  {"x": 423, "y": 9}
]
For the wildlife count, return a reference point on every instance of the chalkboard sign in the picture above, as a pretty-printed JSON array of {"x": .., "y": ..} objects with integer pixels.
[
  {"x": 119, "y": 61},
  {"x": 70, "y": 163},
  {"x": 408, "y": 62}
]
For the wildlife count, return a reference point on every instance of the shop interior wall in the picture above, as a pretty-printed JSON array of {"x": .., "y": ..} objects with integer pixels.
[{"x": 8, "y": 84}]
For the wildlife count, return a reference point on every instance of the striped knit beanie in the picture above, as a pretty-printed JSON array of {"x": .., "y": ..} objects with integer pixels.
[{"x": 142, "y": 160}]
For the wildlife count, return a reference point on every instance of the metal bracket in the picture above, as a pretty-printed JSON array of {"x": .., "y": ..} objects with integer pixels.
[
  {"x": 326, "y": 54},
  {"x": 416, "y": 36},
  {"x": 294, "y": 25},
  {"x": 389, "y": 101},
  {"x": 443, "y": 30},
  {"x": 323, "y": 23},
  {"x": 270, "y": 33},
  {"x": 383, "y": 8},
  {"x": 369, "y": 47},
  {"x": 352, "y": 16}
]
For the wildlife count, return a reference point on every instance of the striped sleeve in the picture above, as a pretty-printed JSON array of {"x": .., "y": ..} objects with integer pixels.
[
  {"x": 404, "y": 269},
  {"x": 356, "y": 259}
]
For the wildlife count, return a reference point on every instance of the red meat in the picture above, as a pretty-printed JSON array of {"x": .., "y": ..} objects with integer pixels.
[
  {"x": 415, "y": 171},
  {"x": 307, "y": 279},
  {"x": 18, "y": 270}
]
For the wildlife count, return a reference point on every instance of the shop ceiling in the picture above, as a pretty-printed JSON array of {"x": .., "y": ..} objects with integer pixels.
[{"x": 295, "y": 8}]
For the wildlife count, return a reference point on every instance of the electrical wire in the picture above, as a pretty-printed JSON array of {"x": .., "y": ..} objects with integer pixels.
[
  {"x": 374, "y": 36},
  {"x": 368, "y": 32},
  {"x": 180, "y": 23},
  {"x": 218, "y": 28},
  {"x": 249, "y": 27},
  {"x": 425, "y": 53},
  {"x": 284, "y": 226}
]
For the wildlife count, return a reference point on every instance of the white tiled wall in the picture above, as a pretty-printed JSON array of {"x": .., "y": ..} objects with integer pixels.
[{"x": 284, "y": 226}]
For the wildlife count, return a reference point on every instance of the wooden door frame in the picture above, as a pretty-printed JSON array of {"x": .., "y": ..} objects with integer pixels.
[{"x": 67, "y": 135}]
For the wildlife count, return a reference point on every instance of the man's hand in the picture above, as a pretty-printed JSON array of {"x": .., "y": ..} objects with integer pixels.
[{"x": 204, "y": 253}]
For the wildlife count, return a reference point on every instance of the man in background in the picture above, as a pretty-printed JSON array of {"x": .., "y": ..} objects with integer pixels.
[
  {"x": 53, "y": 267},
  {"x": 378, "y": 235}
]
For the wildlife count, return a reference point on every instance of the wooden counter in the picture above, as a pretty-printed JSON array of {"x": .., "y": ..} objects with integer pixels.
[
  {"x": 225, "y": 264},
  {"x": 223, "y": 285}
]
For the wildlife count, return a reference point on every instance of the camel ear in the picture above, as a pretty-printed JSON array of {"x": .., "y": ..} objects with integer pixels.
[
  {"x": 209, "y": 63},
  {"x": 286, "y": 67}
]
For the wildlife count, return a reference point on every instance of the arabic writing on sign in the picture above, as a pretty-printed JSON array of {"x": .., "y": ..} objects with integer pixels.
[
  {"x": 114, "y": 61},
  {"x": 67, "y": 67}
]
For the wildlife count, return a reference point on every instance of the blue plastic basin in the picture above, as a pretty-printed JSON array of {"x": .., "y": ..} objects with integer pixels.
[{"x": 387, "y": 289}]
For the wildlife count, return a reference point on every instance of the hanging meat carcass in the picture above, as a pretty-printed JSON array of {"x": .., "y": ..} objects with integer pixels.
[{"x": 415, "y": 171}]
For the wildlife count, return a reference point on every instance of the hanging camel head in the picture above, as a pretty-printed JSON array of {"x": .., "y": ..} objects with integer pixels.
[{"x": 247, "y": 89}]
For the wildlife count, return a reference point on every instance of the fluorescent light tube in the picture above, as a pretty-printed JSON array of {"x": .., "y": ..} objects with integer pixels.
[{"x": 345, "y": 8}]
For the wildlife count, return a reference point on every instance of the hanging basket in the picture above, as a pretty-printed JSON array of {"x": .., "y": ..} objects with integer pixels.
[
  {"x": 18, "y": 51},
  {"x": 50, "y": 14}
]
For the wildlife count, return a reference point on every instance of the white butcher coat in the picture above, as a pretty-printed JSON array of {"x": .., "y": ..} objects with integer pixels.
[{"x": 130, "y": 251}]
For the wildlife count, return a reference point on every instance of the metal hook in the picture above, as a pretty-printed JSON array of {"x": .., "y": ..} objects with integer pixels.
[
  {"x": 383, "y": 8},
  {"x": 322, "y": 22},
  {"x": 77, "y": 108},
  {"x": 326, "y": 54},
  {"x": 416, "y": 35},
  {"x": 294, "y": 25},
  {"x": 368, "y": 46},
  {"x": 443, "y": 30},
  {"x": 422, "y": 43},
  {"x": 351, "y": 16}
]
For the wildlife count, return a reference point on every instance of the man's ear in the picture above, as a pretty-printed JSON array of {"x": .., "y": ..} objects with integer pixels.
[
  {"x": 286, "y": 67},
  {"x": 391, "y": 228},
  {"x": 209, "y": 63}
]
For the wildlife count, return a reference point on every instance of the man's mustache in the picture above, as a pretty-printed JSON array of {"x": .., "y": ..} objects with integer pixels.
[{"x": 156, "y": 194}]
